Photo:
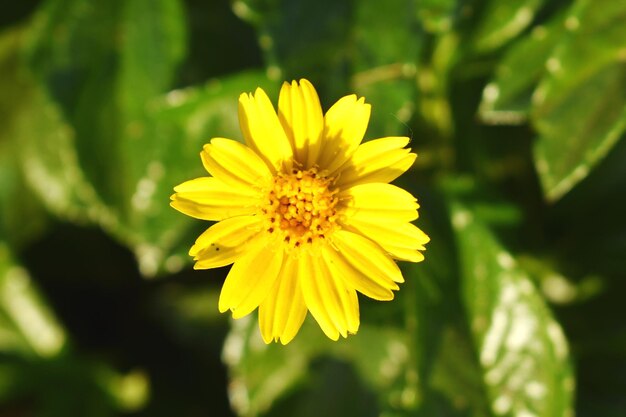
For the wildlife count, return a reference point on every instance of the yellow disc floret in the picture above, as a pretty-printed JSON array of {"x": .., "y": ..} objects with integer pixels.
[{"x": 301, "y": 207}]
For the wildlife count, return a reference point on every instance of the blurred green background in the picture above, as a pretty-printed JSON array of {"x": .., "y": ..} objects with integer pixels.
[{"x": 517, "y": 110}]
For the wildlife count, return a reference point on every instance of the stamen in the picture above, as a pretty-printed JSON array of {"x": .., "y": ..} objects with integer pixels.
[{"x": 301, "y": 207}]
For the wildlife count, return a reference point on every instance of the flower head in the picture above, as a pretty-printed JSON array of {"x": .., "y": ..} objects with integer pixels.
[{"x": 304, "y": 211}]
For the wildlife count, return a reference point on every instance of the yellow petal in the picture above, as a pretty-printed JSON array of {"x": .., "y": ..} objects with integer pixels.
[
  {"x": 362, "y": 265},
  {"x": 401, "y": 240},
  {"x": 208, "y": 198},
  {"x": 365, "y": 255},
  {"x": 345, "y": 303},
  {"x": 296, "y": 318},
  {"x": 262, "y": 129},
  {"x": 337, "y": 299},
  {"x": 345, "y": 124},
  {"x": 379, "y": 201},
  {"x": 224, "y": 242},
  {"x": 311, "y": 274},
  {"x": 250, "y": 279},
  {"x": 300, "y": 114},
  {"x": 234, "y": 163},
  {"x": 282, "y": 313},
  {"x": 380, "y": 160}
]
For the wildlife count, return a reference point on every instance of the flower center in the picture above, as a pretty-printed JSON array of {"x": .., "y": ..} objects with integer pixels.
[{"x": 301, "y": 207}]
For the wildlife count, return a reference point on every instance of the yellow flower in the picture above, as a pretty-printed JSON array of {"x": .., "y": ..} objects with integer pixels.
[{"x": 304, "y": 211}]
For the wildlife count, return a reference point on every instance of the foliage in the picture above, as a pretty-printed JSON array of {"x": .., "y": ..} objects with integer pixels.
[{"x": 516, "y": 109}]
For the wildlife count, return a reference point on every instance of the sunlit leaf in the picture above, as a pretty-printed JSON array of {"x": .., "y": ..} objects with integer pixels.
[
  {"x": 27, "y": 325},
  {"x": 580, "y": 105},
  {"x": 501, "y": 21},
  {"x": 101, "y": 61},
  {"x": 91, "y": 155},
  {"x": 437, "y": 15},
  {"x": 43, "y": 145},
  {"x": 577, "y": 59},
  {"x": 50, "y": 163},
  {"x": 433, "y": 80},
  {"x": 507, "y": 97},
  {"x": 522, "y": 349},
  {"x": 557, "y": 288},
  {"x": 118, "y": 141}
]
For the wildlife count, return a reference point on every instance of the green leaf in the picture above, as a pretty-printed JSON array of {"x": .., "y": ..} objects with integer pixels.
[
  {"x": 437, "y": 15},
  {"x": 93, "y": 59},
  {"x": 557, "y": 288},
  {"x": 303, "y": 38},
  {"x": 102, "y": 61},
  {"x": 599, "y": 195},
  {"x": 17, "y": 202},
  {"x": 180, "y": 123},
  {"x": 263, "y": 375},
  {"x": 507, "y": 97},
  {"x": 450, "y": 379},
  {"x": 27, "y": 325},
  {"x": 579, "y": 108},
  {"x": 42, "y": 144},
  {"x": 50, "y": 163},
  {"x": 433, "y": 80},
  {"x": 118, "y": 142},
  {"x": 501, "y": 21},
  {"x": 522, "y": 349},
  {"x": 386, "y": 46}
]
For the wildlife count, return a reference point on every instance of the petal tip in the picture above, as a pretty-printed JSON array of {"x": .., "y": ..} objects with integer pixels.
[
  {"x": 334, "y": 337},
  {"x": 355, "y": 328},
  {"x": 244, "y": 97},
  {"x": 285, "y": 340},
  {"x": 198, "y": 267},
  {"x": 259, "y": 92}
]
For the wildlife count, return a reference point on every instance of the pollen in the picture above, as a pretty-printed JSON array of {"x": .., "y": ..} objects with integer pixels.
[{"x": 301, "y": 207}]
